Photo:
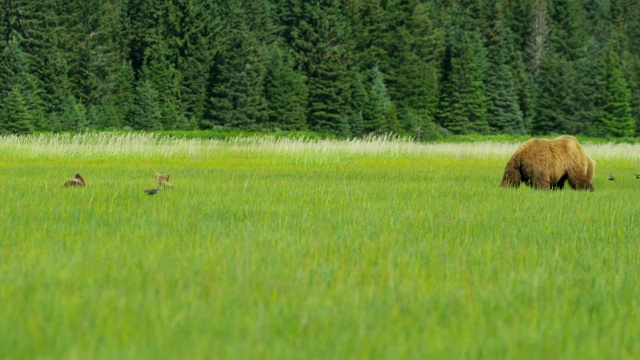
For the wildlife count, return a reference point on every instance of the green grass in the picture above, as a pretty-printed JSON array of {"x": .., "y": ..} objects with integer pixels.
[{"x": 286, "y": 249}]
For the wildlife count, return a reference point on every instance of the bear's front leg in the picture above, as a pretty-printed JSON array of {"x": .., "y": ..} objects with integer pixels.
[{"x": 579, "y": 181}]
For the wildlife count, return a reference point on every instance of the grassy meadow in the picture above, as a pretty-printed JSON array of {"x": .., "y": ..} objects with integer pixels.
[{"x": 311, "y": 249}]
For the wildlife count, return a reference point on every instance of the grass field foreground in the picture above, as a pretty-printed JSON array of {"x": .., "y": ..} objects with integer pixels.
[{"x": 285, "y": 248}]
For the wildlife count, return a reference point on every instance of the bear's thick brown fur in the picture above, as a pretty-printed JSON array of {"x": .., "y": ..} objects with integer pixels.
[
  {"x": 76, "y": 181},
  {"x": 548, "y": 164}
]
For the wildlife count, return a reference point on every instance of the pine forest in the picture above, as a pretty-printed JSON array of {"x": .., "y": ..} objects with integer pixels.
[{"x": 419, "y": 68}]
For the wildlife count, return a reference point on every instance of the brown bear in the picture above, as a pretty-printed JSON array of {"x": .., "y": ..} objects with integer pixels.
[
  {"x": 76, "y": 181},
  {"x": 547, "y": 164}
]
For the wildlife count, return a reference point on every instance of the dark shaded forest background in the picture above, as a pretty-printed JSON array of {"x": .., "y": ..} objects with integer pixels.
[{"x": 344, "y": 67}]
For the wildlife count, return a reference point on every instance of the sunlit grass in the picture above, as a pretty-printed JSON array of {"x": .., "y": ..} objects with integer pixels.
[{"x": 378, "y": 248}]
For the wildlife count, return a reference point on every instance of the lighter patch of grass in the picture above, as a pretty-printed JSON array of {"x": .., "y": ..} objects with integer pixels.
[{"x": 147, "y": 145}]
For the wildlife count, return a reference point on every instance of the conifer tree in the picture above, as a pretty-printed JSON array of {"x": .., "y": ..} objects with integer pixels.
[
  {"x": 14, "y": 73},
  {"x": 145, "y": 113},
  {"x": 327, "y": 67},
  {"x": 57, "y": 94},
  {"x": 327, "y": 88},
  {"x": 16, "y": 117},
  {"x": 504, "y": 114},
  {"x": 167, "y": 81},
  {"x": 418, "y": 73},
  {"x": 360, "y": 108},
  {"x": 112, "y": 73},
  {"x": 383, "y": 115},
  {"x": 588, "y": 93},
  {"x": 634, "y": 86},
  {"x": 616, "y": 118},
  {"x": 75, "y": 116},
  {"x": 377, "y": 36},
  {"x": 285, "y": 90},
  {"x": 236, "y": 90},
  {"x": 568, "y": 36},
  {"x": 200, "y": 24},
  {"x": 195, "y": 74},
  {"x": 552, "y": 88},
  {"x": 463, "y": 105}
]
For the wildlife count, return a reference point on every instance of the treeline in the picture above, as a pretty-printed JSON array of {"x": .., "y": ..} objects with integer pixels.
[{"x": 345, "y": 67}]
